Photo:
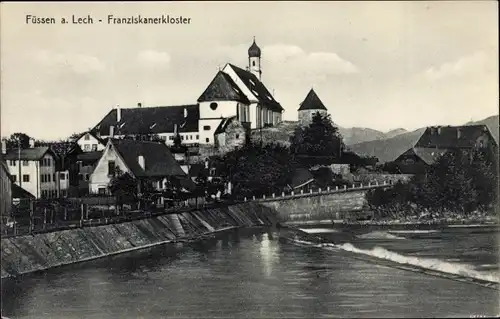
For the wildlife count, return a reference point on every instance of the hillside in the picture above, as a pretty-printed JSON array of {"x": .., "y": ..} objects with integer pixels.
[
  {"x": 354, "y": 135},
  {"x": 388, "y": 149}
]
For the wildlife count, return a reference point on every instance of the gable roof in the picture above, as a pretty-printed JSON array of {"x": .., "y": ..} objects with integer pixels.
[
  {"x": 224, "y": 124},
  {"x": 19, "y": 192},
  {"x": 428, "y": 155},
  {"x": 151, "y": 120},
  {"x": 223, "y": 88},
  {"x": 91, "y": 133},
  {"x": 312, "y": 102},
  {"x": 28, "y": 154},
  {"x": 159, "y": 162},
  {"x": 258, "y": 89},
  {"x": 452, "y": 136}
]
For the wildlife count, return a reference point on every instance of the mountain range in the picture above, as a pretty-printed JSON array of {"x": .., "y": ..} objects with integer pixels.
[{"x": 365, "y": 141}]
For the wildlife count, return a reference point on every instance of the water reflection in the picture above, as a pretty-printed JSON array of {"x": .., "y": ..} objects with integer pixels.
[{"x": 240, "y": 275}]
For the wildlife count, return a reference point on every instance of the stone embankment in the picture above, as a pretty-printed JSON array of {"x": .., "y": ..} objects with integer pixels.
[{"x": 31, "y": 253}]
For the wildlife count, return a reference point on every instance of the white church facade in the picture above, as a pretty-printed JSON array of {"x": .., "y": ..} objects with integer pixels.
[{"x": 234, "y": 95}]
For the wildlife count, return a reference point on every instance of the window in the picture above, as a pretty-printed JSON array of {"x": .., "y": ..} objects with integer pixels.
[
  {"x": 197, "y": 137},
  {"x": 25, "y": 163},
  {"x": 206, "y": 127},
  {"x": 182, "y": 137},
  {"x": 86, "y": 147},
  {"x": 94, "y": 147},
  {"x": 14, "y": 178},
  {"x": 213, "y": 106},
  {"x": 53, "y": 177},
  {"x": 212, "y": 171},
  {"x": 86, "y": 177},
  {"x": 170, "y": 138},
  {"x": 87, "y": 137},
  {"x": 80, "y": 177},
  {"x": 12, "y": 163},
  {"x": 62, "y": 176},
  {"x": 207, "y": 140},
  {"x": 26, "y": 178},
  {"x": 111, "y": 168},
  {"x": 164, "y": 138},
  {"x": 101, "y": 190},
  {"x": 253, "y": 63}
]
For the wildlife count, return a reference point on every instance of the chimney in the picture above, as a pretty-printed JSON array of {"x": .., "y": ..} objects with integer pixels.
[
  {"x": 139, "y": 105},
  {"x": 118, "y": 114},
  {"x": 142, "y": 162},
  {"x": 459, "y": 132},
  {"x": 439, "y": 130},
  {"x": 185, "y": 113},
  {"x": 4, "y": 147},
  {"x": 32, "y": 142},
  {"x": 111, "y": 131}
]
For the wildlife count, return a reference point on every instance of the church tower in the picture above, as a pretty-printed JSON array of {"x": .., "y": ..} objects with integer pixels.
[{"x": 254, "y": 55}]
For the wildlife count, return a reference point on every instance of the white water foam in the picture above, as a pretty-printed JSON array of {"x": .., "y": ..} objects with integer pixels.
[
  {"x": 413, "y": 231},
  {"x": 425, "y": 263},
  {"x": 319, "y": 230},
  {"x": 379, "y": 235}
]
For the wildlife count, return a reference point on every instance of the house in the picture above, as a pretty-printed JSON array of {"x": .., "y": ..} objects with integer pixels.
[
  {"x": 67, "y": 165},
  {"x": 437, "y": 140},
  {"x": 86, "y": 163},
  {"x": 35, "y": 170},
  {"x": 231, "y": 134},
  {"x": 145, "y": 160},
  {"x": 5, "y": 187},
  {"x": 233, "y": 93},
  {"x": 90, "y": 142},
  {"x": 309, "y": 107}
]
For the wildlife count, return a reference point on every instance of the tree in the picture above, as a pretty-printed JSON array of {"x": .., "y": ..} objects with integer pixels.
[
  {"x": 318, "y": 142},
  {"x": 15, "y": 138},
  {"x": 124, "y": 187}
]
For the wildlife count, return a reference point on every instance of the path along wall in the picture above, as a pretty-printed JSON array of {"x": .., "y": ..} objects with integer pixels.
[{"x": 25, "y": 254}]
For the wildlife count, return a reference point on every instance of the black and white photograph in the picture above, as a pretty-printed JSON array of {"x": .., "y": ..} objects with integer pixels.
[{"x": 249, "y": 159}]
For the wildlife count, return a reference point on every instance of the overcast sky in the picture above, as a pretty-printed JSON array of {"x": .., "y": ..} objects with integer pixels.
[{"x": 378, "y": 65}]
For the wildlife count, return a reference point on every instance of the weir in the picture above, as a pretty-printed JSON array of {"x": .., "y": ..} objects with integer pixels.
[{"x": 41, "y": 251}]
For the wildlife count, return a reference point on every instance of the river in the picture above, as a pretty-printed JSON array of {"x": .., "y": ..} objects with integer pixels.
[{"x": 254, "y": 274}]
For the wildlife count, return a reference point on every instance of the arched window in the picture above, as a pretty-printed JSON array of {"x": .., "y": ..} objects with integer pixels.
[
  {"x": 213, "y": 106},
  {"x": 253, "y": 63}
]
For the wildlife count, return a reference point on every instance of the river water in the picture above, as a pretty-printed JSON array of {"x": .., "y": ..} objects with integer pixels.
[{"x": 254, "y": 274}]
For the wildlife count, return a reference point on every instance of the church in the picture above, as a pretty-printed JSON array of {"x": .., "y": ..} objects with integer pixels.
[{"x": 234, "y": 102}]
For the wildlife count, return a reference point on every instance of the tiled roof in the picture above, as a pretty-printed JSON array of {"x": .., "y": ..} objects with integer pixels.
[
  {"x": 28, "y": 154},
  {"x": 301, "y": 177},
  {"x": 449, "y": 136},
  {"x": 19, "y": 192},
  {"x": 223, "y": 88},
  {"x": 102, "y": 141},
  {"x": 312, "y": 102},
  {"x": 224, "y": 124},
  {"x": 428, "y": 155},
  {"x": 151, "y": 120},
  {"x": 89, "y": 156},
  {"x": 159, "y": 162},
  {"x": 257, "y": 88}
]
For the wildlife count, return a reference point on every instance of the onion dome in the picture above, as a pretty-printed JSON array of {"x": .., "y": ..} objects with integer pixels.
[{"x": 254, "y": 50}]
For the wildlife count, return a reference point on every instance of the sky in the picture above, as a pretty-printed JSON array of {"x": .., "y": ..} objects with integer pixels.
[{"x": 382, "y": 65}]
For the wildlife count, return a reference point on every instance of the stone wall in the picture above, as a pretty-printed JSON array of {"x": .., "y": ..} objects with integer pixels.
[
  {"x": 372, "y": 177},
  {"x": 26, "y": 254}
]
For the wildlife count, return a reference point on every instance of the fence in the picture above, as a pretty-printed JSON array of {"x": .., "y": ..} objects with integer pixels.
[{"x": 45, "y": 216}]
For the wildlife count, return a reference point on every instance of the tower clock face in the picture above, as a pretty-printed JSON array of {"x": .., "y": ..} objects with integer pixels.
[{"x": 214, "y": 106}]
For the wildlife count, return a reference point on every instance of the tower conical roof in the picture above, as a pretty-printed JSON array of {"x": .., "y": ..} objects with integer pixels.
[{"x": 312, "y": 102}]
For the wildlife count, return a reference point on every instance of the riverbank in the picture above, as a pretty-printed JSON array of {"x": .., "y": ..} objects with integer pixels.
[{"x": 38, "y": 252}]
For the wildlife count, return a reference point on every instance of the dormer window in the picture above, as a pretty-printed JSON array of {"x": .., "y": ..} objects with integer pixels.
[
  {"x": 121, "y": 125},
  {"x": 252, "y": 82},
  {"x": 256, "y": 94}
]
